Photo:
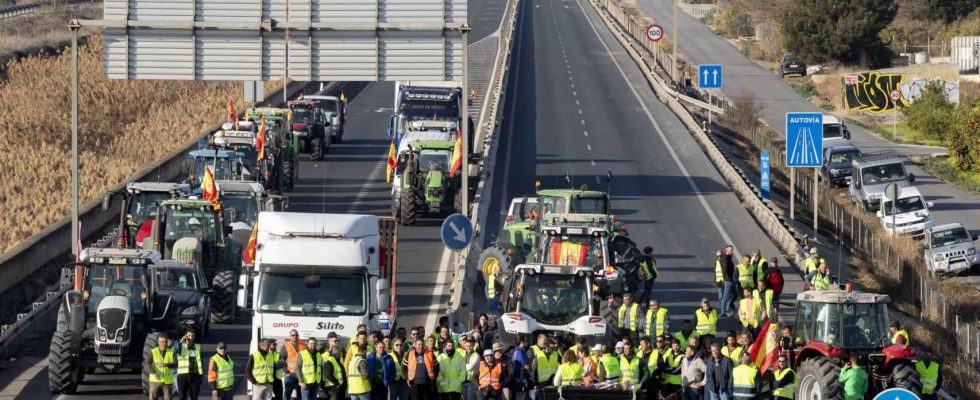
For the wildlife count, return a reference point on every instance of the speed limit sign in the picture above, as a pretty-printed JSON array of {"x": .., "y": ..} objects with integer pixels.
[
  {"x": 896, "y": 95},
  {"x": 655, "y": 32}
]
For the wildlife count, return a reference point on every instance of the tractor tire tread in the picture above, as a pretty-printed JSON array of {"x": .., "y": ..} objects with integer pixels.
[
  {"x": 62, "y": 374},
  {"x": 223, "y": 301}
]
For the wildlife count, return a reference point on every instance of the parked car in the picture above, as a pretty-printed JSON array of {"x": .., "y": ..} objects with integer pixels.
[
  {"x": 950, "y": 249},
  {"x": 911, "y": 214},
  {"x": 836, "y": 170},
  {"x": 790, "y": 64}
]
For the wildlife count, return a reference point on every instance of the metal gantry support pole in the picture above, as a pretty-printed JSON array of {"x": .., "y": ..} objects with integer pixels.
[
  {"x": 673, "y": 40},
  {"x": 465, "y": 121},
  {"x": 816, "y": 202},
  {"x": 74, "y": 26}
]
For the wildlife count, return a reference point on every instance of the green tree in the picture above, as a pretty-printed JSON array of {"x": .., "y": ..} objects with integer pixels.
[
  {"x": 841, "y": 30},
  {"x": 964, "y": 139},
  {"x": 931, "y": 113},
  {"x": 949, "y": 10}
]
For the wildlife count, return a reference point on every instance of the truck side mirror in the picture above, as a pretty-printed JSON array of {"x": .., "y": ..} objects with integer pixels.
[
  {"x": 106, "y": 200},
  {"x": 384, "y": 297},
  {"x": 847, "y": 133},
  {"x": 930, "y": 204},
  {"x": 911, "y": 177},
  {"x": 974, "y": 237}
]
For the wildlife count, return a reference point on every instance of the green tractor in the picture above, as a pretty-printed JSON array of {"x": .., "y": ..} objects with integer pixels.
[
  {"x": 426, "y": 187},
  {"x": 282, "y": 155},
  {"x": 192, "y": 231}
]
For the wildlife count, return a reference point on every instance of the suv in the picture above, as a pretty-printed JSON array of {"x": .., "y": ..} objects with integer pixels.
[
  {"x": 871, "y": 172},
  {"x": 836, "y": 169},
  {"x": 950, "y": 249},
  {"x": 910, "y": 215},
  {"x": 335, "y": 115},
  {"x": 790, "y": 64}
]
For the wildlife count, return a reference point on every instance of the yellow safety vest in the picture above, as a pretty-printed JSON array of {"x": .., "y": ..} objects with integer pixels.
[
  {"x": 491, "y": 290},
  {"x": 743, "y": 378},
  {"x": 452, "y": 370},
  {"x": 225, "y": 372},
  {"x": 634, "y": 316},
  {"x": 754, "y": 312},
  {"x": 820, "y": 281},
  {"x": 162, "y": 374},
  {"x": 653, "y": 361},
  {"x": 262, "y": 367},
  {"x": 611, "y": 366},
  {"x": 706, "y": 323},
  {"x": 902, "y": 333},
  {"x": 767, "y": 299},
  {"x": 571, "y": 374},
  {"x": 547, "y": 365},
  {"x": 672, "y": 362},
  {"x": 338, "y": 373},
  {"x": 630, "y": 369},
  {"x": 357, "y": 384},
  {"x": 398, "y": 367},
  {"x": 679, "y": 335},
  {"x": 657, "y": 324},
  {"x": 758, "y": 265},
  {"x": 812, "y": 264},
  {"x": 745, "y": 275},
  {"x": 647, "y": 267},
  {"x": 466, "y": 361},
  {"x": 732, "y": 354},
  {"x": 928, "y": 375},
  {"x": 719, "y": 276},
  {"x": 280, "y": 372},
  {"x": 788, "y": 391},
  {"x": 311, "y": 369},
  {"x": 184, "y": 359}
]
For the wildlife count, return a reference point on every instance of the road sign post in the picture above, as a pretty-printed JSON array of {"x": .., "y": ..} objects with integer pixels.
[
  {"x": 709, "y": 77},
  {"x": 891, "y": 192},
  {"x": 895, "y": 95},
  {"x": 456, "y": 232},
  {"x": 764, "y": 179},
  {"x": 804, "y": 149}
]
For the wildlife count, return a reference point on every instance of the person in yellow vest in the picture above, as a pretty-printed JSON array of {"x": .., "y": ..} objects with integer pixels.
[
  {"x": 750, "y": 312},
  {"x": 544, "y": 366},
  {"x": 813, "y": 261},
  {"x": 823, "y": 280},
  {"x": 899, "y": 335},
  {"x": 684, "y": 335},
  {"x": 706, "y": 319},
  {"x": 609, "y": 366},
  {"x": 221, "y": 374},
  {"x": 278, "y": 369},
  {"x": 359, "y": 339},
  {"x": 745, "y": 275},
  {"x": 161, "y": 365},
  {"x": 763, "y": 293},
  {"x": 333, "y": 378},
  {"x": 452, "y": 372},
  {"x": 929, "y": 374},
  {"x": 397, "y": 385},
  {"x": 745, "y": 379},
  {"x": 760, "y": 263},
  {"x": 569, "y": 373},
  {"x": 471, "y": 361},
  {"x": 189, "y": 370},
  {"x": 673, "y": 371},
  {"x": 358, "y": 378},
  {"x": 648, "y": 273},
  {"x": 259, "y": 371},
  {"x": 732, "y": 349},
  {"x": 655, "y": 367},
  {"x": 631, "y": 369},
  {"x": 784, "y": 380},
  {"x": 628, "y": 318},
  {"x": 309, "y": 369},
  {"x": 657, "y": 321}
]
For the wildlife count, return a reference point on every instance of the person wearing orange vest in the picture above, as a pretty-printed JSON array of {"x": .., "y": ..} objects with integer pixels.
[
  {"x": 489, "y": 377},
  {"x": 590, "y": 367},
  {"x": 289, "y": 351},
  {"x": 422, "y": 372}
]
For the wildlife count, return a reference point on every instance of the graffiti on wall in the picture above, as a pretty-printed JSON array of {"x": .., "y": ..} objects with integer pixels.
[
  {"x": 871, "y": 91},
  {"x": 912, "y": 90}
]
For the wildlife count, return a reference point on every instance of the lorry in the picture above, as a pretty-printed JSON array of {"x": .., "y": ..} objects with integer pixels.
[
  {"x": 871, "y": 172},
  {"x": 836, "y": 323},
  {"x": 335, "y": 114},
  {"x": 436, "y": 102},
  {"x": 909, "y": 215},
  {"x": 321, "y": 273},
  {"x": 835, "y": 133},
  {"x": 950, "y": 249}
]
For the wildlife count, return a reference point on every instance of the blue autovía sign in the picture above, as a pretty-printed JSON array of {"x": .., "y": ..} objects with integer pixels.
[
  {"x": 804, "y": 140},
  {"x": 764, "y": 179}
]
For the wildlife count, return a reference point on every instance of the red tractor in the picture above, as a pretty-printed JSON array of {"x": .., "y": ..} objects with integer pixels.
[{"x": 834, "y": 324}]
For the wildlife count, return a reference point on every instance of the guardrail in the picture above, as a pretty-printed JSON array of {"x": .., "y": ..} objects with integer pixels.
[
  {"x": 24, "y": 9},
  {"x": 488, "y": 131}
]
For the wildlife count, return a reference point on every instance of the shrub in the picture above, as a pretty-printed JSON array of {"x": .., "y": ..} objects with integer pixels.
[
  {"x": 805, "y": 89},
  {"x": 931, "y": 113}
]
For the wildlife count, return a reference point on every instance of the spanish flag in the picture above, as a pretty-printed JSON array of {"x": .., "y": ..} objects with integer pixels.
[
  {"x": 210, "y": 190},
  {"x": 569, "y": 253},
  {"x": 765, "y": 350},
  {"x": 457, "y": 161},
  {"x": 260, "y": 140},
  {"x": 232, "y": 114},
  {"x": 248, "y": 256},
  {"x": 391, "y": 160}
]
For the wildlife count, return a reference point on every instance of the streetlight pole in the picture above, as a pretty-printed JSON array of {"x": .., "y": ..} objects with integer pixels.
[
  {"x": 673, "y": 37},
  {"x": 465, "y": 121},
  {"x": 74, "y": 26}
]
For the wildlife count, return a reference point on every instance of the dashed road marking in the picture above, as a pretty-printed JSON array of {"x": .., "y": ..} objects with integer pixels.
[
  {"x": 593, "y": 162},
  {"x": 586, "y": 133},
  {"x": 588, "y": 146}
]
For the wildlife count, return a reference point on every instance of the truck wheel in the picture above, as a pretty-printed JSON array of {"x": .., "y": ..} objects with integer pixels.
[
  {"x": 287, "y": 172},
  {"x": 63, "y": 375},
  {"x": 148, "y": 344},
  {"x": 502, "y": 254},
  {"x": 906, "y": 377},
  {"x": 225, "y": 295},
  {"x": 395, "y": 209},
  {"x": 409, "y": 206},
  {"x": 316, "y": 149},
  {"x": 818, "y": 380}
]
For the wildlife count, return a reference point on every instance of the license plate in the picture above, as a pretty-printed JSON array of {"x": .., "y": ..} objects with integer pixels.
[{"x": 794, "y": 66}]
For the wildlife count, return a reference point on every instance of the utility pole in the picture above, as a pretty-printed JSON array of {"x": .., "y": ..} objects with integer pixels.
[
  {"x": 465, "y": 121},
  {"x": 74, "y": 26},
  {"x": 673, "y": 37},
  {"x": 285, "y": 75}
]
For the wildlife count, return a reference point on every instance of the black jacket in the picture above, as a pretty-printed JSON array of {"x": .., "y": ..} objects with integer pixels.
[
  {"x": 719, "y": 375},
  {"x": 728, "y": 268}
]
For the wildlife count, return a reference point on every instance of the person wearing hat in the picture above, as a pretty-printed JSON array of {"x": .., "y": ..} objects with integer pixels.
[
  {"x": 490, "y": 377},
  {"x": 259, "y": 371},
  {"x": 333, "y": 380},
  {"x": 706, "y": 319},
  {"x": 221, "y": 374},
  {"x": 813, "y": 261},
  {"x": 507, "y": 370}
]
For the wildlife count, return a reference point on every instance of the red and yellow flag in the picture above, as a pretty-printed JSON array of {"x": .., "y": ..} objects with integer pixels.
[
  {"x": 343, "y": 99},
  {"x": 260, "y": 140},
  {"x": 210, "y": 190},
  {"x": 392, "y": 162},
  {"x": 765, "y": 350},
  {"x": 248, "y": 256},
  {"x": 457, "y": 161},
  {"x": 569, "y": 253},
  {"x": 232, "y": 114}
]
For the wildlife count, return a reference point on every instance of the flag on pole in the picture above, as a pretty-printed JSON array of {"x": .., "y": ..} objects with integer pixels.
[
  {"x": 248, "y": 256},
  {"x": 343, "y": 98},
  {"x": 457, "y": 161},
  {"x": 765, "y": 350},
  {"x": 260, "y": 140},
  {"x": 232, "y": 114},
  {"x": 210, "y": 190},
  {"x": 390, "y": 168}
]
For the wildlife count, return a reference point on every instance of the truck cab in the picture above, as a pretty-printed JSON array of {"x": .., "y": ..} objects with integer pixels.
[
  {"x": 872, "y": 172},
  {"x": 910, "y": 214},
  {"x": 835, "y": 133}
]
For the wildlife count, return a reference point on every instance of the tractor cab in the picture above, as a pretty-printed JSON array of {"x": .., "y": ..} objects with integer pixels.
[
  {"x": 140, "y": 200},
  {"x": 572, "y": 201},
  {"x": 242, "y": 202},
  {"x": 426, "y": 187},
  {"x": 225, "y": 165}
]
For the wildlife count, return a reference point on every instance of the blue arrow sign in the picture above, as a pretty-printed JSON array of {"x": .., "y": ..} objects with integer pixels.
[
  {"x": 709, "y": 76},
  {"x": 896, "y": 394},
  {"x": 804, "y": 140},
  {"x": 456, "y": 232},
  {"x": 764, "y": 180}
]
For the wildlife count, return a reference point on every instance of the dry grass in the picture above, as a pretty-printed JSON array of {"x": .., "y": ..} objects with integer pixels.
[
  {"x": 123, "y": 125},
  {"x": 43, "y": 28}
]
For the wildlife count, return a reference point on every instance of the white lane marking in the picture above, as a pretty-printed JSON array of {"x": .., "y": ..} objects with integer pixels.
[
  {"x": 569, "y": 77},
  {"x": 593, "y": 162},
  {"x": 588, "y": 146},
  {"x": 597, "y": 180},
  {"x": 574, "y": 93},
  {"x": 583, "y": 122},
  {"x": 436, "y": 303},
  {"x": 580, "y": 111},
  {"x": 660, "y": 133},
  {"x": 359, "y": 199},
  {"x": 573, "y": 86},
  {"x": 586, "y": 133},
  {"x": 576, "y": 102},
  {"x": 18, "y": 384}
]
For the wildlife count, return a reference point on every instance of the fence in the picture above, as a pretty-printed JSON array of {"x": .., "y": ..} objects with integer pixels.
[
  {"x": 637, "y": 30},
  {"x": 696, "y": 10},
  {"x": 24, "y": 9}
]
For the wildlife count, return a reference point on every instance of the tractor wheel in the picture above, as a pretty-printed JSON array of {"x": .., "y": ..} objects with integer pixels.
[
  {"x": 316, "y": 149},
  {"x": 409, "y": 206},
  {"x": 499, "y": 254},
  {"x": 63, "y": 375},
  {"x": 148, "y": 344},
  {"x": 225, "y": 295},
  {"x": 817, "y": 379},
  {"x": 905, "y": 376},
  {"x": 62, "y": 324},
  {"x": 287, "y": 172},
  {"x": 395, "y": 209}
]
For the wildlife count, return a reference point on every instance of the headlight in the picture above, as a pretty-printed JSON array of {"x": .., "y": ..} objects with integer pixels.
[
  {"x": 888, "y": 225},
  {"x": 971, "y": 251},
  {"x": 834, "y": 172},
  {"x": 938, "y": 257},
  {"x": 102, "y": 334},
  {"x": 189, "y": 312}
]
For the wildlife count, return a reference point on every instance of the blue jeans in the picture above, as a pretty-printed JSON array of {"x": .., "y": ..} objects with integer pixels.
[
  {"x": 718, "y": 395},
  {"x": 726, "y": 293},
  {"x": 469, "y": 391},
  {"x": 399, "y": 391},
  {"x": 647, "y": 290},
  {"x": 309, "y": 393},
  {"x": 290, "y": 384},
  {"x": 365, "y": 396}
]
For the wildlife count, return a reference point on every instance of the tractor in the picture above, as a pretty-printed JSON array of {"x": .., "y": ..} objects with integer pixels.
[
  {"x": 192, "y": 231},
  {"x": 139, "y": 203},
  {"x": 241, "y": 142},
  {"x": 225, "y": 165},
  {"x": 242, "y": 202},
  {"x": 309, "y": 125},
  {"x": 837, "y": 323},
  {"x": 281, "y": 149},
  {"x": 427, "y": 188},
  {"x": 110, "y": 319}
]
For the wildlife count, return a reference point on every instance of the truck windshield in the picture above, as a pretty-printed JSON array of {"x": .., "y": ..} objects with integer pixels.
[
  {"x": 223, "y": 168},
  {"x": 330, "y": 105},
  {"x": 188, "y": 222},
  {"x": 292, "y": 293},
  {"x": 589, "y": 205},
  {"x": 116, "y": 280},
  {"x": 175, "y": 279},
  {"x": 950, "y": 237},
  {"x": 831, "y": 131},
  {"x": 429, "y": 158},
  {"x": 554, "y": 299},
  {"x": 431, "y": 109},
  {"x": 902, "y": 206},
  {"x": 579, "y": 251},
  {"x": 883, "y": 174},
  {"x": 246, "y": 206},
  {"x": 143, "y": 204}
]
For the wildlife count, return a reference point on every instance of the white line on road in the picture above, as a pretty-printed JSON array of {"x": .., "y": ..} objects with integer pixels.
[
  {"x": 576, "y": 102},
  {"x": 367, "y": 186},
  {"x": 574, "y": 93},
  {"x": 580, "y": 111},
  {"x": 583, "y": 122},
  {"x": 586, "y": 133},
  {"x": 588, "y": 146},
  {"x": 593, "y": 162},
  {"x": 436, "y": 303}
]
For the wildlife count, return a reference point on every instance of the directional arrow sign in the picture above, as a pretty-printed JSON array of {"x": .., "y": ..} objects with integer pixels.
[
  {"x": 709, "y": 76},
  {"x": 456, "y": 232}
]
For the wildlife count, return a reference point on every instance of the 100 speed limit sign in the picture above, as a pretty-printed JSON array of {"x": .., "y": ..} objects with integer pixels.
[{"x": 655, "y": 32}]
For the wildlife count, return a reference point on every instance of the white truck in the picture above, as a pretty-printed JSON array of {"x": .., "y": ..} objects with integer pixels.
[
  {"x": 320, "y": 273},
  {"x": 438, "y": 104}
]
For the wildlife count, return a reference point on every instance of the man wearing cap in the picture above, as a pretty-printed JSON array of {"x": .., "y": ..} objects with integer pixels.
[
  {"x": 657, "y": 321},
  {"x": 221, "y": 374},
  {"x": 289, "y": 351},
  {"x": 490, "y": 377},
  {"x": 334, "y": 378},
  {"x": 813, "y": 260},
  {"x": 309, "y": 369},
  {"x": 259, "y": 371},
  {"x": 706, "y": 319},
  {"x": 396, "y": 361}
]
